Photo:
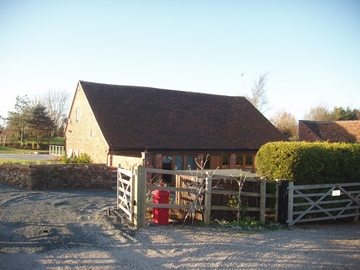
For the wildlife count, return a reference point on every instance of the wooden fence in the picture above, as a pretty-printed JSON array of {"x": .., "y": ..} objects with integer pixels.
[
  {"x": 304, "y": 203},
  {"x": 308, "y": 203},
  {"x": 207, "y": 207}
]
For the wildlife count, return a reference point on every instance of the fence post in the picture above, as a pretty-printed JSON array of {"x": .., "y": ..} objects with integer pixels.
[
  {"x": 282, "y": 201},
  {"x": 262, "y": 200},
  {"x": 140, "y": 198},
  {"x": 276, "y": 216},
  {"x": 118, "y": 187},
  {"x": 207, "y": 212},
  {"x": 290, "y": 203}
]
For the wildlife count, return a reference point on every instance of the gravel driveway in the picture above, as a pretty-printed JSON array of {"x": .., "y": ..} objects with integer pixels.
[{"x": 72, "y": 230}]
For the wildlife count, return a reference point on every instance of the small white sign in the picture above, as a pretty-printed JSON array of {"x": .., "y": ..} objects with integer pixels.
[{"x": 336, "y": 192}]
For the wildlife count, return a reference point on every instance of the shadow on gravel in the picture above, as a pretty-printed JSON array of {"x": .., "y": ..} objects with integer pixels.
[{"x": 43, "y": 238}]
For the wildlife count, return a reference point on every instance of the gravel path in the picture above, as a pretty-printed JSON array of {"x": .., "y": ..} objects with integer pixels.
[{"x": 72, "y": 230}]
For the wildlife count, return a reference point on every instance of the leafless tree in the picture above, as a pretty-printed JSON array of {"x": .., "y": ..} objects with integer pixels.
[
  {"x": 1, "y": 124},
  {"x": 56, "y": 103},
  {"x": 286, "y": 123},
  {"x": 200, "y": 183},
  {"x": 319, "y": 113},
  {"x": 258, "y": 91}
]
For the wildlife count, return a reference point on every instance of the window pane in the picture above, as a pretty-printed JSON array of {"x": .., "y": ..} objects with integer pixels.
[
  {"x": 249, "y": 160},
  {"x": 167, "y": 159},
  {"x": 190, "y": 163},
  {"x": 225, "y": 162},
  {"x": 239, "y": 160},
  {"x": 179, "y": 163}
]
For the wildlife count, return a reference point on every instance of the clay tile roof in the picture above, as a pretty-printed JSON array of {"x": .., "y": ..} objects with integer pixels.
[
  {"x": 335, "y": 131},
  {"x": 149, "y": 118},
  {"x": 341, "y": 131}
]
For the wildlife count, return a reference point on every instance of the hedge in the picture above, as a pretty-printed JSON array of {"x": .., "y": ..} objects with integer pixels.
[{"x": 310, "y": 163}]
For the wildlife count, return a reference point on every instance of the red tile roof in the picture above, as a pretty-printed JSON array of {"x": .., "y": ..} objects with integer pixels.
[
  {"x": 334, "y": 131},
  {"x": 133, "y": 117}
]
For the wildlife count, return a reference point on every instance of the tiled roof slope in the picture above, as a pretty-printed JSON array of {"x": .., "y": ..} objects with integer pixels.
[
  {"x": 336, "y": 131},
  {"x": 132, "y": 117}
]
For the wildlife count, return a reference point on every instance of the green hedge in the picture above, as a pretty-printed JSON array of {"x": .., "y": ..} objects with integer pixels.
[{"x": 310, "y": 163}]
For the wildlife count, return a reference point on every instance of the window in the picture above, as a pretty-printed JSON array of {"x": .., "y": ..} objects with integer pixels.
[
  {"x": 92, "y": 133},
  {"x": 249, "y": 160},
  {"x": 179, "y": 162},
  {"x": 77, "y": 115},
  {"x": 225, "y": 162},
  {"x": 239, "y": 162},
  {"x": 190, "y": 163},
  {"x": 167, "y": 165}
]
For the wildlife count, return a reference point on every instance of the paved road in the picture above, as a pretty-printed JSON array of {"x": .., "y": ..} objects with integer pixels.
[{"x": 27, "y": 156}]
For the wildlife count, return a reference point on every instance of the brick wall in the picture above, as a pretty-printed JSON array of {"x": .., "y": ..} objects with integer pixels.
[
  {"x": 232, "y": 161},
  {"x": 306, "y": 135},
  {"x": 59, "y": 176}
]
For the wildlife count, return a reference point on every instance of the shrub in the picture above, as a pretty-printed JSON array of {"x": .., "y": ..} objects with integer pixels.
[
  {"x": 81, "y": 159},
  {"x": 310, "y": 163}
]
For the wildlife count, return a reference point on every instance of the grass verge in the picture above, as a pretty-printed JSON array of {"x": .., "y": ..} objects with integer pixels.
[{"x": 8, "y": 150}]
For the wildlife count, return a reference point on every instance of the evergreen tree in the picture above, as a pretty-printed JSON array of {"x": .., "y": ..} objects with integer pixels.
[
  {"x": 40, "y": 123},
  {"x": 18, "y": 119},
  {"x": 339, "y": 113}
]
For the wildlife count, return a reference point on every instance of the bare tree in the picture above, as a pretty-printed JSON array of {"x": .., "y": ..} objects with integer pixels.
[
  {"x": 319, "y": 113},
  {"x": 286, "y": 123},
  {"x": 258, "y": 97},
  {"x": 202, "y": 178},
  {"x": 56, "y": 103},
  {"x": 1, "y": 123}
]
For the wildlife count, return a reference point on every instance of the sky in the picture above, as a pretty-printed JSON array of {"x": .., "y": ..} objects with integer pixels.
[{"x": 310, "y": 49}]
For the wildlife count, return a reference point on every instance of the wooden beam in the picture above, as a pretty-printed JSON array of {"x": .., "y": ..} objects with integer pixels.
[
  {"x": 140, "y": 198},
  {"x": 262, "y": 201},
  {"x": 290, "y": 203}
]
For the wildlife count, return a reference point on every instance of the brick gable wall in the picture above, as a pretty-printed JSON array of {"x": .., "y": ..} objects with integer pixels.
[{"x": 306, "y": 135}]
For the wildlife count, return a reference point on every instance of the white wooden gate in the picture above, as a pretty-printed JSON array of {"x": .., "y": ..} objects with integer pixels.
[
  {"x": 322, "y": 202},
  {"x": 125, "y": 192}
]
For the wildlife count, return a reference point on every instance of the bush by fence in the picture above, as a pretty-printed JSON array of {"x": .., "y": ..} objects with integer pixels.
[
  {"x": 310, "y": 163},
  {"x": 57, "y": 176}
]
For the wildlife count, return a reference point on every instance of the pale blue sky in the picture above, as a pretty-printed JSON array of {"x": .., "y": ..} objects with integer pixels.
[{"x": 311, "y": 49}]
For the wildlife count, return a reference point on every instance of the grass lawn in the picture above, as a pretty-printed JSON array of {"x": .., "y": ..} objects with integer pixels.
[
  {"x": 7, "y": 150},
  {"x": 27, "y": 162}
]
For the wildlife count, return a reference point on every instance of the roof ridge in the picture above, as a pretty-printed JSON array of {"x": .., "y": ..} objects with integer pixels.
[{"x": 158, "y": 88}]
